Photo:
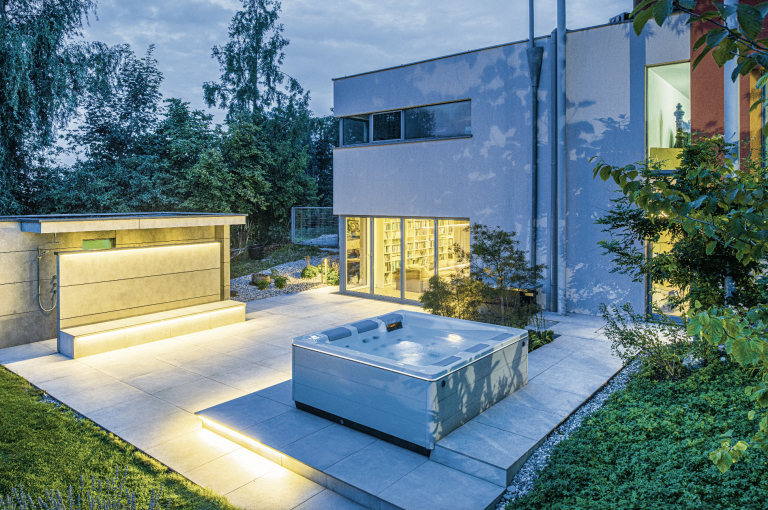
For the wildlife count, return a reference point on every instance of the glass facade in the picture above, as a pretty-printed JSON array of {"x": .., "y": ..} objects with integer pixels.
[
  {"x": 386, "y": 256},
  {"x": 419, "y": 256},
  {"x": 438, "y": 121},
  {"x": 404, "y": 253},
  {"x": 667, "y": 112},
  {"x": 452, "y": 241},
  {"x": 357, "y": 254},
  {"x": 661, "y": 292}
]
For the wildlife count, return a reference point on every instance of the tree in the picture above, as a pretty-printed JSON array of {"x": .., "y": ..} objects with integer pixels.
[
  {"x": 488, "y": 281},
  {"x": 250, "y": 62},
  {"x": 324, "y": 137},
  {"x": 44, "y": 70},
  {"x": 688, "y": 266}
]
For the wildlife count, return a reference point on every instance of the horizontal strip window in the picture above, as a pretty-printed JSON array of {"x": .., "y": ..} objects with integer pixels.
[{"x": 447, "y": 120}]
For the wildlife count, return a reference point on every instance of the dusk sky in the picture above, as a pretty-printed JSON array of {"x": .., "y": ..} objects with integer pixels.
[{"x": 328, "y": 39}]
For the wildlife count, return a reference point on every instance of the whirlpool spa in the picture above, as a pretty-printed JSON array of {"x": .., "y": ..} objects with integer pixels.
[{"x": 407, "y": 377}]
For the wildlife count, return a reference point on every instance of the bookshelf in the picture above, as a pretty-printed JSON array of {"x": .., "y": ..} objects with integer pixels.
[
  {"x": 420, "y": 243},
  {"x": 391, "y": 256}
]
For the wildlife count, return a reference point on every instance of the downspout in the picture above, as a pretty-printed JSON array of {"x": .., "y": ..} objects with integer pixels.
[
  {"x": 535, "y": 56},
  {"x": 731, "y": 95},
  {"x": 553, "y": 173},
  {"x": 561, "y": 161},
  {"x": 732, "y": 127}
]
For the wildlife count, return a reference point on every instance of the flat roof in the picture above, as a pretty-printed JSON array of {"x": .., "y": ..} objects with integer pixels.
[
  {"x": 482, "y": 49},
  {"x": 60, "y": 223}
]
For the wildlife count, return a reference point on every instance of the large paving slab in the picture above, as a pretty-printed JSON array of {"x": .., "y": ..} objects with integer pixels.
[
  {"x": 469, "y": 469},
  {"x": 148, "y": 394}
]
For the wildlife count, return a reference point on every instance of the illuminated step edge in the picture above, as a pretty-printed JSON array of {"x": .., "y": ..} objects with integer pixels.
[
  {"x": 331, "y": 483},
  {"x": 91, "y": 339}
]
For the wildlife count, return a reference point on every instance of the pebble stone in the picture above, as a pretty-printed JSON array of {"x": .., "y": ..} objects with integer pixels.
[
  {"x": 523, "y": 481},
  {"x": 291, "y": 270}
]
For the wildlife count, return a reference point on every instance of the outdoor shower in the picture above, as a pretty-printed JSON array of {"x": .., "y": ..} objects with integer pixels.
[{"x": 54, "y": 289}]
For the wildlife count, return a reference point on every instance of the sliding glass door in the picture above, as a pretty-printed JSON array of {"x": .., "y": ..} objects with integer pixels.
[
  {"x": 357, "y": 254},
  {"x": 386, "y": 257},
  {"x": 419, "y": 256}
]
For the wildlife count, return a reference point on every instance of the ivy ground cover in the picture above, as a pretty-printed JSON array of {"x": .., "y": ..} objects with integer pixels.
[
  {"x": 45, "y": 447},
  {"x": 648, "y": 447}
]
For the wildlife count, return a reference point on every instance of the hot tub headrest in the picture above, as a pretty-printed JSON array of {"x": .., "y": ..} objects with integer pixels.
[
  {"x": 501, "y": 337},
  {"x": 391, "y": 318},
  {"x": 366, "y": 325},
  {"x": 336, "y": 333}
]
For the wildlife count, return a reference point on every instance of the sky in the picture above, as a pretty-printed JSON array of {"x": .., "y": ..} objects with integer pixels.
[{"x": 328, "y": 38}]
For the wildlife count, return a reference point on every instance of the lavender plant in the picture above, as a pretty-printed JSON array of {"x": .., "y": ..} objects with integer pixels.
[{"x": 109, "y": 494}]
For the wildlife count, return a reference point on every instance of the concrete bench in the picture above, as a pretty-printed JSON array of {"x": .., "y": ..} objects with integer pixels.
[{"x": 91, "y": 339}]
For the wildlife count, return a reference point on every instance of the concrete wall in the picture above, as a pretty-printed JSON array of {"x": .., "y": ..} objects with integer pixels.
[
  {"x": 21, "y": 319},
  {"x": 487, "y": 177},
  {"x": 106, "y": 285}
]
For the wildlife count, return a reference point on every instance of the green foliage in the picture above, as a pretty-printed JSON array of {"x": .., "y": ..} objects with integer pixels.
[
  {"x": 538, "y": 339},
  {"x": 280, "y": 280},
  {"x": 43, "y": 447},
  {"x": 663, "y": 342},
  {"x": 486, "y": 284},
  {"x": 332, "y": 278},
  {"x": 262, "y": 284},
  {"x": 44, "y": 70},
  {"x": 693, "y": 264},
  {"x": 728, "y": 210},
  {"x": 309, "y": 272},
  {"x": 646, "y": 449}
]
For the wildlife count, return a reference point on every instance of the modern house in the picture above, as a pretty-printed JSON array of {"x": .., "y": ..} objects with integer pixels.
[
  {"x": 430, "y": 147},
  {"x": 101, "y": 282}
]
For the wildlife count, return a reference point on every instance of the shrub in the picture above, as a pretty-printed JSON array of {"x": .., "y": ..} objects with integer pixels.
[
  {"x": 262, "y": 284},
  {"x": 665, "y": 345},
  {"x": 332, "y": 278},
  {"x": 280, "y": 281},
  {"x": 309, "y": 272},
  {"x": 646, "y": 448},
  {"x": 538, "y": 338}
]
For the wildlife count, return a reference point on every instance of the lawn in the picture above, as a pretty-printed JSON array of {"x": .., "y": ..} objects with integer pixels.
[
  {"x": 42, "y": 446},
  {"x": 242, "y": 265},
  {"x": 648, "y": 448}
]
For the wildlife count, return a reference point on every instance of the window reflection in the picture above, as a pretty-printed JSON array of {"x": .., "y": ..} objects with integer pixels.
[
  {"x": 355, "y": 129},
  {"x": 438, "y": 121},
  {"x": 386, "y": 126},
  {"x": 357, "y": 244}
]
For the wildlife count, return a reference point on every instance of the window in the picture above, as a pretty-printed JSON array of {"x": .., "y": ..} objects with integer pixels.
[
  {"x": 355, "y": 129},
  {"x": 98, "y": 244},
  {"x": 404, "y": 253},
  {"x": 439, "y": 121},
  {"x": 448, "y": 120},
  {"x": 668, "y": 112},
  {"x": 386, "y": 126}
]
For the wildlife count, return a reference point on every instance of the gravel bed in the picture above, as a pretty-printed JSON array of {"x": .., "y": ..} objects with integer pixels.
[
  {"x": 291, "y": 270},
  {"x": 523, "y": 481}
]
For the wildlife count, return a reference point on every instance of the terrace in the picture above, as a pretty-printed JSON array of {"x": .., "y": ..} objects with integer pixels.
[{"x": 262, "y": 452}]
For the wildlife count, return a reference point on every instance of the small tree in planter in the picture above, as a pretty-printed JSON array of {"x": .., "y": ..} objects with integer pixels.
[{"x": 489, "y": 285}]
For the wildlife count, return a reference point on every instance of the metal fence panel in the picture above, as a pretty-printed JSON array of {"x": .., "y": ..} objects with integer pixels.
[{"x": 314, "y": 225}]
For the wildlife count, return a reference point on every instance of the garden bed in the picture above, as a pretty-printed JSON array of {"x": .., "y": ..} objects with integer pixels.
[
  {"x": 45, "y": 445},
  {"x": 648, "y": 447},
  {"x": 291, "y": 270}
]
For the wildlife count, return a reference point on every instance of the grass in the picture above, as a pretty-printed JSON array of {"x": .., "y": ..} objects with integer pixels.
[
  {"x": 242, "y": 265},
  {"x": 648, "y": 448},
  {"x": 45, "y": 447}
]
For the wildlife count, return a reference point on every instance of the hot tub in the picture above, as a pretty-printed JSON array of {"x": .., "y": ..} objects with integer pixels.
[{"x": 408, "y": 377}]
